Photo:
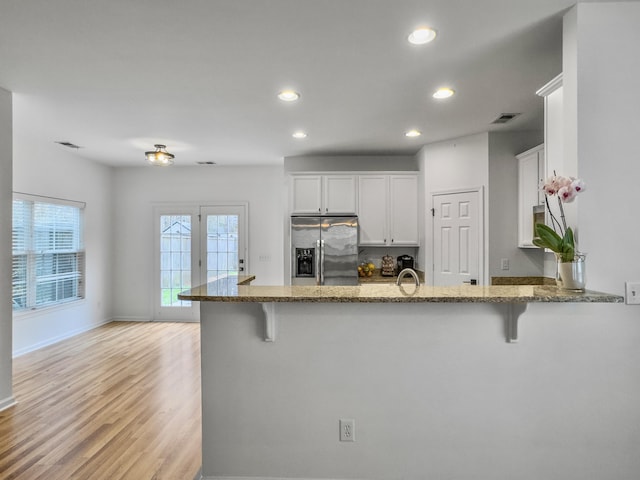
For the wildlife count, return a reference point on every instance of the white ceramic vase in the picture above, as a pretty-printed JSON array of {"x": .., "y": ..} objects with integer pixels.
[{"x": 571, "y": 275}]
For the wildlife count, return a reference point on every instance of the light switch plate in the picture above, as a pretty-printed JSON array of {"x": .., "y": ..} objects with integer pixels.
[{"x": 632, "y": 290}]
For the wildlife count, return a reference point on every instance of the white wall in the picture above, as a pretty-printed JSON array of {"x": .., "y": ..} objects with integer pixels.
[
  {"x": 451, "y": 165},
  {"x": 483, "y": 160},
  {"x": 6, "y": 397},
  {"x": 350, "y": 163},
  {"x": 503, "y": 206},
  {"x": 52, "y": 170},
  {"x": 607, "y": 149},
  {"x": 436, "y": 393},
  {"x": 136, "y": 190},
  {"x": 434, "y": 389}
]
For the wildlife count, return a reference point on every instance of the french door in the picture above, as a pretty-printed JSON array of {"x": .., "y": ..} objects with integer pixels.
[
  {"x": 222, "y": 242},
  {"x": 195, "y": 245}
]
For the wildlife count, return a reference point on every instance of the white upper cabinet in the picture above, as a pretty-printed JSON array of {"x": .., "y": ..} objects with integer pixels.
[
  {"x": 388, "y": 210},
  {"x": 323, "y": 194},
  {"x": 306, "y": 194},
  {"x": 530, "y": 177},
  {"x": 372, "y": 209},
  {"x": 557, "y": 131},
  {"x": 553, "y": 127},
  {"x": 339, "y": 194},
  {"x": 403, "y": 209}
]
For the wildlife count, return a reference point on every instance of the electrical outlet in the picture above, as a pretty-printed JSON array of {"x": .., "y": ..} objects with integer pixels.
[
  {"x": 347, "y": 430},
  {"x": 632, "y": 293},
  {"x": 504, "y": 264}
]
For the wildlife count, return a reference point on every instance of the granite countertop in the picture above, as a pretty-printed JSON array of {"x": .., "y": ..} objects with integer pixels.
[
  {"x": 228, "y": 289},
  {"x": 377, "y": 277},
  {"x": 522, "y": 281}
]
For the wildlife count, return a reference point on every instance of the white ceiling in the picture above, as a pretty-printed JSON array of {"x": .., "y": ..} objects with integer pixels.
[{"x": 201, "y": 76}]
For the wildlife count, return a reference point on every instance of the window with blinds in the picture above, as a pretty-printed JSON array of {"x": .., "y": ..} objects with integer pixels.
[{"x": 48, "y": 252}]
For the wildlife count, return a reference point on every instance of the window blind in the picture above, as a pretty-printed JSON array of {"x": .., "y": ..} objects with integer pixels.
[{"x": 48, "y": 252}]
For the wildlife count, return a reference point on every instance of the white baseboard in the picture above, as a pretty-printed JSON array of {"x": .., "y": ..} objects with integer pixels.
[
  {"x": 157, "y": 320},
  {"x": 132, "y": 319},
  {"x": 7, "y": 402},
  {"x": 263, "y": 478},
  {"x": 58, "y": 338}
]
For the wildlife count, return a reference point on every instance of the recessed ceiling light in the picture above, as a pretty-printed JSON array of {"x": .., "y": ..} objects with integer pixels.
[
  {"x": 413, "y": 133},
  {"x": 443, "y": 93},
  {"x": 421, "y": 35},
  {"x": 299, "y": 134},
  {"x": 288, "y": 95}
]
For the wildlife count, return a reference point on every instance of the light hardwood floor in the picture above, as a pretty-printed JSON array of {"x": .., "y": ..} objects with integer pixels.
[{"x": 119, "y": 402}]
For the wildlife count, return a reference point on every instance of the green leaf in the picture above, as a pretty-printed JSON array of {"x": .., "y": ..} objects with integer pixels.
[
  {"x": 548, "y": 238},
  {"x": 568, "y": 246}
]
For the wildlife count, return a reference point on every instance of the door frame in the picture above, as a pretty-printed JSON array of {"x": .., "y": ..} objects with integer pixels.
[{"x": 482, "y": 240}]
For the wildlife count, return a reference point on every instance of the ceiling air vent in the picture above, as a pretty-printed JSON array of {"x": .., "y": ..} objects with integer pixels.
[
  {"x": 68, "y": 145},
  {"x": 504, "y": 118},
  {"x": 206, "y": 163}
]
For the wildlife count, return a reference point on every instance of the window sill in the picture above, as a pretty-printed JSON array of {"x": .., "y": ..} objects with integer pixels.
[{"x": 34, "y": 312}]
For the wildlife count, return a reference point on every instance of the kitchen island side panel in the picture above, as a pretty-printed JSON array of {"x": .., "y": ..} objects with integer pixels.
[{"x": 434, "y": 390}]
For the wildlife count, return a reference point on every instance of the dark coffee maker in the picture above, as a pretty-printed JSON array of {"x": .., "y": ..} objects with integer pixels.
[{"x": 405, "y": 261}]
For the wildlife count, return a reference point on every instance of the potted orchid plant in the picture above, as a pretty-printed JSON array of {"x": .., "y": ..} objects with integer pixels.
[{"x": 558, "y": 237}]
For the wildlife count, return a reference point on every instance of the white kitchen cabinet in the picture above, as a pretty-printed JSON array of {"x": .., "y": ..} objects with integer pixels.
[
  {"x": 554, "y": 127},
  {"x": 306, "y": 194},
  {"x": 323, "y": 194},
  {"x": 403, "y": 209},
  {"x": 388, "y": 210},
  {"x": 372, "y": 209},
  {"x": 559, "y": 135},
  {"x": 531, "y": 172},
  {"x": 339, "y": 194}
]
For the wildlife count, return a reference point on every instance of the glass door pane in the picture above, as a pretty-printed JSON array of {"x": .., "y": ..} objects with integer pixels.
[
  {"x": 175, "y": 259},
  {"x": 223, "y": 242}
]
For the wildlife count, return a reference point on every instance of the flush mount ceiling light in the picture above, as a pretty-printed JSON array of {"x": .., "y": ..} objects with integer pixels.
[
  {"x": 421, "y": 35},
  {"x": 413, "y": 133},
  {"x": 299, "y": 134},
  {"x": 159, "y": 156},
  {"x": 288, "y": 95},
  {"x": 443, "y": 93}
]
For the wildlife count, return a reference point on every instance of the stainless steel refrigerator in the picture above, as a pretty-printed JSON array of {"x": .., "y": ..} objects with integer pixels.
[{"x": 324, "y": 250}]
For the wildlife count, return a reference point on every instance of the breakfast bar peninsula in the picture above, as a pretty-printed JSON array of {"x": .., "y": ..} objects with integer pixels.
[{"x": 384, "y": 381}]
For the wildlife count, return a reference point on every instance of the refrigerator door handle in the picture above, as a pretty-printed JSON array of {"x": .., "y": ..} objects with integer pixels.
[
  {"x": 321, "y": 262},
  {"x": 318, "y": 277}
]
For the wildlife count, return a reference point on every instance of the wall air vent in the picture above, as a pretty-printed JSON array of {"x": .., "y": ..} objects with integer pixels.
[
  {"x": 504, "y": 118},
  {"x": 206, "y": 163},
  {"x": 68, "y": 145}
]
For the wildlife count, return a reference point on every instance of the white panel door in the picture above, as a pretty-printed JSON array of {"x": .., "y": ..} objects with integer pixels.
[{"x": 457, "y": 239}]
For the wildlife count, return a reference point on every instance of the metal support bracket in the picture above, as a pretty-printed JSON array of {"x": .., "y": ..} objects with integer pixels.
[
  {"x": 514, "y": 310},
  {"x": 269, "y": 321}
]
